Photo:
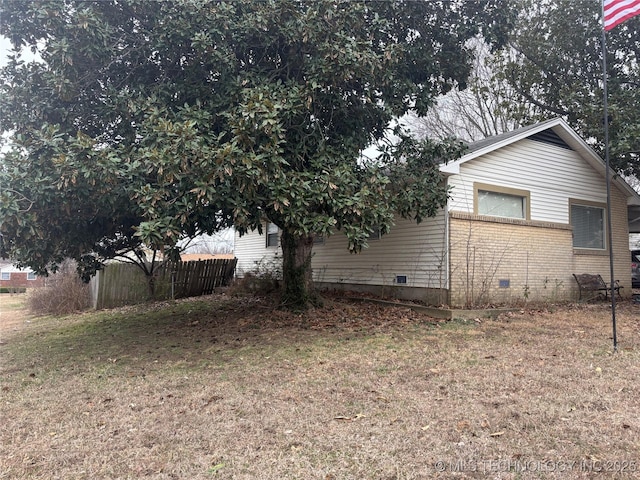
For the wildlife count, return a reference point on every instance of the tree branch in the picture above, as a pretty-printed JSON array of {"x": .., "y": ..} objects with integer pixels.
[{"x": 23, "y": 198}]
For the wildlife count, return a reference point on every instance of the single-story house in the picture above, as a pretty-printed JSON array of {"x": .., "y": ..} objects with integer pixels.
[
  {"x": 14, "y": 277},
  {"x": 527, "y": 210}
]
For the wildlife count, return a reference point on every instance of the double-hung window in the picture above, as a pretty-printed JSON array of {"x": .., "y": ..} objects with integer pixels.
[
  {"x": 272, "y": 234},
  {"x": 588, "y": 222}
]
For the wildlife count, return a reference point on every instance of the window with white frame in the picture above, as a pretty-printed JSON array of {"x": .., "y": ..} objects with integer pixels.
[
  {"x": 5, "y": 276},
  {"x": 493, "y": 201},
  {"x": 31, "y": 276},
  {"x": 375, "y": 234},
  {"x": 272, "y": 234},
  {"x": 588, "y": 226}
]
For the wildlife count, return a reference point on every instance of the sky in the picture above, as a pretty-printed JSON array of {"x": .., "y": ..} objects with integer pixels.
[{"x": 5, "y": 48}]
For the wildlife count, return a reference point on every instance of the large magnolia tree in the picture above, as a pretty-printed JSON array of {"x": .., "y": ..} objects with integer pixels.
[{"x": 144, "y": 121}]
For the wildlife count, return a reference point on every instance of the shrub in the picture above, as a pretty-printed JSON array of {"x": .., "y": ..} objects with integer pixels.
[
  {"x": 12, "y": 289},
  {"x": 264, "y": 279},
  {"x": 254, "y": 285},
  {"x": 65, "y": 293}
]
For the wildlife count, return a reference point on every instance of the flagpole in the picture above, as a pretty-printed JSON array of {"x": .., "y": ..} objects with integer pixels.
[{"x": 608, "y": 180}]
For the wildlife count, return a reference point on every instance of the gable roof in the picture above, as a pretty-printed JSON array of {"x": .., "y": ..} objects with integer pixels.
[
  {"x": 556, "y": 131},
  {"x": 506, "y": 138}
]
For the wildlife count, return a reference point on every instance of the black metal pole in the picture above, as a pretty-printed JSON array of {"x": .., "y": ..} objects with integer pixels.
[{"x": 608, "y": 180}]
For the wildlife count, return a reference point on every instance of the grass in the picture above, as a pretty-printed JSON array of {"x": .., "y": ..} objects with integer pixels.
[
  {"x": 232, "y": 388},
  {"x": 12, "y": 302}
]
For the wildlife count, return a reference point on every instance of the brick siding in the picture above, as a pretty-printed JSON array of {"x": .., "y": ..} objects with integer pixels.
[
  {"x": 19, "y": 279},
  {"x": 537, "y": 259}
]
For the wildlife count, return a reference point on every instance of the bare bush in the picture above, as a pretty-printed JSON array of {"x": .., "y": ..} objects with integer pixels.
[
  {"x": 64, "y": 293},
  {"x": 264, "y": 279},
  {"x": 253, "y": 284}
]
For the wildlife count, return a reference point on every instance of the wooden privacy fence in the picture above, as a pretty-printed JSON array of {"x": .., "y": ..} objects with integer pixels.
[
  {"x": 125, "y": 284},
  {"x": 190, "y": 279}
]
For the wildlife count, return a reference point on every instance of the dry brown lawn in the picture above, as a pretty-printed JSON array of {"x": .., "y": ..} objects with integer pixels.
[
  {"x": 13, "y": 314},
  {"x": 232, "y": 388}
]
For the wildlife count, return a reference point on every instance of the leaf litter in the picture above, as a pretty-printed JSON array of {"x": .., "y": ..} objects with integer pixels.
[{"x": 236, "y": 388}]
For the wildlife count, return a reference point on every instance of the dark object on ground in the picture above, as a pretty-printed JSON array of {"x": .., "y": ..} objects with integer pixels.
[{"x": 594, "y": 283}]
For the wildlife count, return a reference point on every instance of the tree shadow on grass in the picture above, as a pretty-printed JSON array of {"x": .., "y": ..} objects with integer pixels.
[{"x": 210, "y": 330}]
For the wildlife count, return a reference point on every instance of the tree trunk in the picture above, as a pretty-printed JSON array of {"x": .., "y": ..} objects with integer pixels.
[
  {"x": 298, "y": 291},
  {"x": 151, "y": 286}
]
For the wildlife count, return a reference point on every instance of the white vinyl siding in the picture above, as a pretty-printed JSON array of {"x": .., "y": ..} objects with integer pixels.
[
  {"x": 417, "y": 251},
  {"x": 551, "y": 174},
  {"x": 253, "y": 254}
]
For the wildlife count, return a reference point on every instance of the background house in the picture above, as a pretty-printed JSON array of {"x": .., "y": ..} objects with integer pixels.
[
  {"x": 527, "y": 209},
  {"x": 13, "y": 277}
]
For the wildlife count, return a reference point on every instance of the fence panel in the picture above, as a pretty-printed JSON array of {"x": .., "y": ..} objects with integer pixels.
[{"x": 125, "y": 284}]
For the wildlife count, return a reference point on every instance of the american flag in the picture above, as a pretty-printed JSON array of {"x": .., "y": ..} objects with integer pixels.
[{"x": 617, "y": 11}]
